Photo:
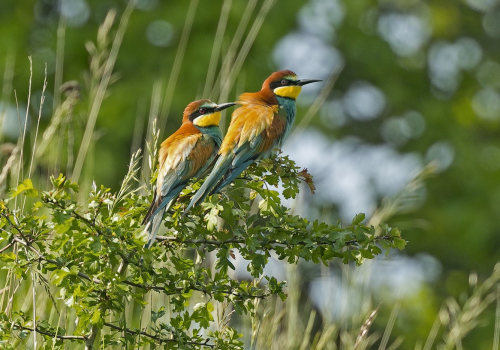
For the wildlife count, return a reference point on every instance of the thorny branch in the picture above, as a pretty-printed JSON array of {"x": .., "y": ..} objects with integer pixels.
[
  {"x": 110, "y": 325},
  {"x": 242, "y": 241},
  {"x": 128, "y": 330},
  {"x": 191, "y": 287},
  {"x": 52, "y": 335}
]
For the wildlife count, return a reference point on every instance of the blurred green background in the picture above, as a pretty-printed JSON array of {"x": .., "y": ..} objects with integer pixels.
[{"x": 418, "y": 82}]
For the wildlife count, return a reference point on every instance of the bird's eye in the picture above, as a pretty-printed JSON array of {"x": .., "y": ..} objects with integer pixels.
[
  {"x": 284, "y": 82},
  {"x": 202, "y": 111}
]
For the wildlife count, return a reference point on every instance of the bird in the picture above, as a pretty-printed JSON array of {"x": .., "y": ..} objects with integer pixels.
[
  {"x": 185, "y": 154},
  {"x": 258, "y": 127}
]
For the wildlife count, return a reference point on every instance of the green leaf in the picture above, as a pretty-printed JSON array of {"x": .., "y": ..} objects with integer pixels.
[
  {"x": 358, "y": 219},
  {"x": 96, "y": 319},
  {"x": 58, "y": 275},
  {"x": 26, "y": 186},
  {"x": 156, "y": 315},
  {"x": 399, "y": 243}
]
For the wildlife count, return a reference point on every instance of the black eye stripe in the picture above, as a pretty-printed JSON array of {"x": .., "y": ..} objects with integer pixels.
[
  {"x": 281, "y": 82},
  {"x": 197, "y": 113}
]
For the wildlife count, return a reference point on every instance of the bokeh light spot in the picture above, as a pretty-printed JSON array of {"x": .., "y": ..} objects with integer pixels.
[
  {"x": 491, "y": 24},
  {"x": 469, "y": 52},
  {"x": 442, "y": 154},
  {"x": 486, "y": 104},
  {"x": 332, "y": 114},
  {"x": 364, "y": 101},
  {"x": 320, "y": 17},
  {"x": 405, "y": 33},
  {"x": 11, "y": 118},
  {"x": 488, "y": 74},
  {"x": 77, "y": 12},
  {"x": 309, "y": 57},
  {"x": 481, "y": 5},
  {"x": 146, "y": 5},
  {"x": 443, "y": 66},
  {"x": 160, "y": 33}
]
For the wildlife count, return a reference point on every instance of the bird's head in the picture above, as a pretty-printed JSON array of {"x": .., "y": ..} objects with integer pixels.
[
  {"x": 285, "y": 83},
  {"x": 204, "y": 113}
]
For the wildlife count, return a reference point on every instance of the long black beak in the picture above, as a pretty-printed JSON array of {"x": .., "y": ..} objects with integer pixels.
[
  {"x": 306, "y": 81},
  {"x": 223, "y": 106}
]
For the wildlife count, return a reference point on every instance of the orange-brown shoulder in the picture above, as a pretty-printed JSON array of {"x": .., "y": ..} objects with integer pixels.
[{"x": 263, "y": 97}]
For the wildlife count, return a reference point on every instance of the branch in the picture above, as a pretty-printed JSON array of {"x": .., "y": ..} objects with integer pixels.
[
  {"x": 7, "y": 247},
  {"x": 199, "y": 289},
  {"x": 128, "y": 330},
  {"x": 242, "y": 241},
  {"x": 68, "y": 337}
]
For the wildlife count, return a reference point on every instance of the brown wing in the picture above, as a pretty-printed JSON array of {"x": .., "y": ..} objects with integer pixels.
[
  {"x": 272, "y": 133},
  {"x": 199, "y": 156}
]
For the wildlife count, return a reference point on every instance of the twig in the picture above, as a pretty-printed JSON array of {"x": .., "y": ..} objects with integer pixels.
[
  {"x": 128, "y": 330},
  {"x": 242, "y": 241},
  {"x": 7, "y": 247},
  {"x": 67, "y": 337},
  {"x": 199, "y": 289}
]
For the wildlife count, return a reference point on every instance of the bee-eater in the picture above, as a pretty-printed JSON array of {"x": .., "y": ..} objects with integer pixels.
[
  {"x": 185, "y": 154},
  {"x": 258, "y": 127}
]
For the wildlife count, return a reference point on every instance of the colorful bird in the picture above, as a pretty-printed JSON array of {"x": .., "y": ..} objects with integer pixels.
[
  {"x": 185, "y": 154},
  {"x": 258, "y": 127}
]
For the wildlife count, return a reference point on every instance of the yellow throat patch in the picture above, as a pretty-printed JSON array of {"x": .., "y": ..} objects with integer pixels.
[
  {"x": 288, "y": 91},
  {"x": 203, "y": 121}
]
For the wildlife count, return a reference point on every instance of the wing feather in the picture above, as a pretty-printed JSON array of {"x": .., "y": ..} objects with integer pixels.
[
  {"x": 247, "y": 122},
  {"x": 200, "y": 157},
  {"x": 173, "y": 154}
]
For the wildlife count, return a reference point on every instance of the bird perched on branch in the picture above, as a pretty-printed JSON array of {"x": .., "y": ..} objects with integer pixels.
[
  {"x": 258, "y": 127},
  {"x": 185, "y": 154}
]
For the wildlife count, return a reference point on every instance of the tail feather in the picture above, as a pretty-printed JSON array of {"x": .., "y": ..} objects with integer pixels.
[
  {"x": 233, "y": 174},
  {"x": 211, "y": 181},
  {"x": 152, "y": 208},
  {"x": 154, "y": 225},
  {"x": 155, "y": 216}
]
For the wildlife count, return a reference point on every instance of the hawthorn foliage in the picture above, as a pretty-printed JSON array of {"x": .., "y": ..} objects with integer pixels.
[{"x": 75, "y": 251}]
